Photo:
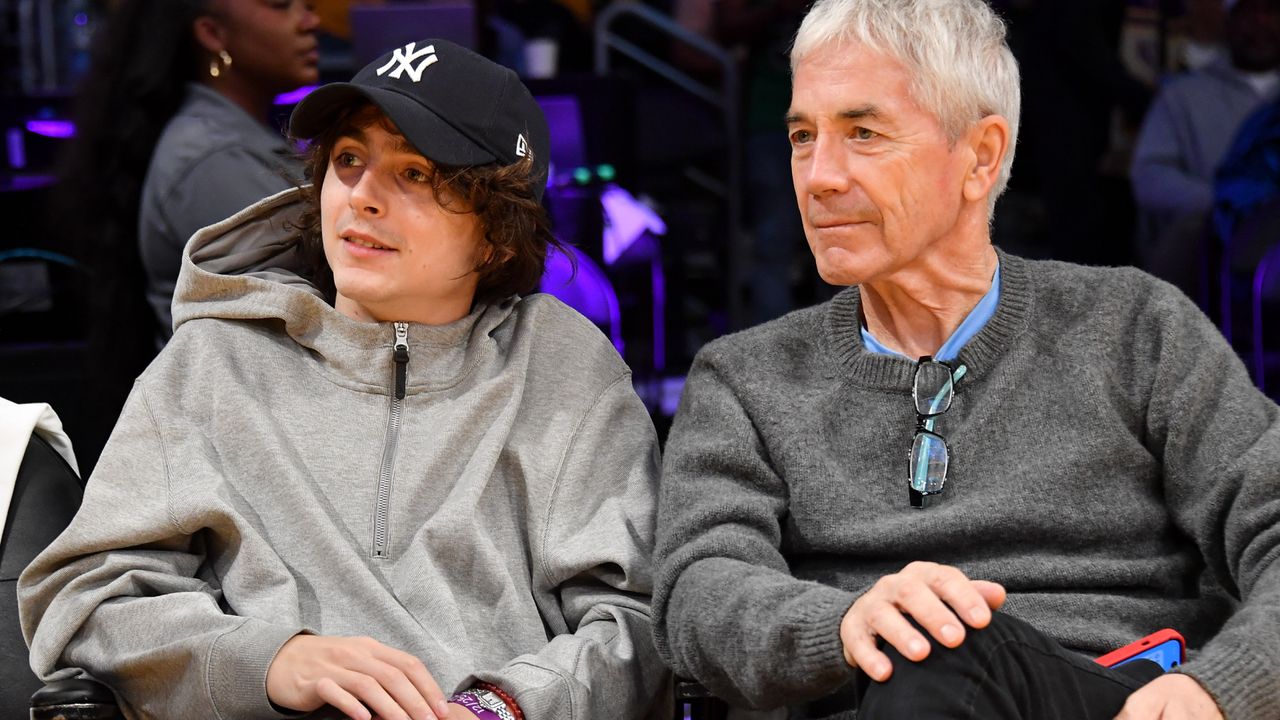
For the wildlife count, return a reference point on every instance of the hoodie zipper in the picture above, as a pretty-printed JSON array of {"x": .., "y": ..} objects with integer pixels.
[{"x": 383, "y": 509}]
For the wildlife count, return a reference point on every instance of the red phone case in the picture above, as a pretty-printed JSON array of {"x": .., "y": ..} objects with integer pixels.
[{"x": 1137, "y": 647}]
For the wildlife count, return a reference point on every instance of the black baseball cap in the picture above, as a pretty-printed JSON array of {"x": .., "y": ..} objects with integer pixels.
[{"x": 455, "y": 106}]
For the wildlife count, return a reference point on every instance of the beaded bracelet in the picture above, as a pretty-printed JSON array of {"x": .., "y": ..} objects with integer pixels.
[
  {"x": 485, "y": 708},
  {"x": 510, "y": 702}
]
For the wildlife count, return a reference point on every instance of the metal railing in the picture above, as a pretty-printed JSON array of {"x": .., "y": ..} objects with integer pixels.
[
  {"x": 36, "y": 47},
  {"x": 724, "y": 98}
]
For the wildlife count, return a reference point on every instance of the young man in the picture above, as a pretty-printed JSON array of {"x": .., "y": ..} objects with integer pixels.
[
  {"x": 366, "y": 475},
  {"x": 1089, "y": 461}
]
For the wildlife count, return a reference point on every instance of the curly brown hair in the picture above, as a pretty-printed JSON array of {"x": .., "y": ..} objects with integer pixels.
[{"x": 516, "y": 227}]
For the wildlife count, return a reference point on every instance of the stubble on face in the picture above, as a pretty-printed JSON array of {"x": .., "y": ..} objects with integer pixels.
[{"x": 874, "y": 173}]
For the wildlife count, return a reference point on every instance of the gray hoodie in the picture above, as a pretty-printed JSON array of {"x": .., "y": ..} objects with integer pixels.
[{"x": 265, "y": 480}]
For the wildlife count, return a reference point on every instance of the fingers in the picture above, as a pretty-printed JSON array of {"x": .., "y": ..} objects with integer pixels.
[
  {"x": 1170, "y": 697},
  {"x": 860, "y": 647},
  {"x": 882, "y": 612},
  {"x": 956, "y": 590},
  {"x": 332, "y": 693},
  {"x": 410, "y": 684},
  {"x": 1141, "y": 705},
  {"x": 359, "y": 676},
  {"x": 993, "y": 593},
  {"x": 930, "y": 603},
  {"x": 939, "y": 598},
  {"x": 427, "y": 687},
  {"x": 383, "y": 678}
]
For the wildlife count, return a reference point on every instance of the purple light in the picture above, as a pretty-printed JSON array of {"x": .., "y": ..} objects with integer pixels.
[
  {"x": 627, "y": 220},
  {"x": 52, "y": 128},
  {"x": 659, "y": 286},
  {"x": 82, "y": 19},
  {"x": 589, "y": 292},
  {"x": 672, "y": 387},
  {"x": 20, "y": 182},
  {"x": 293, "y": 97},
  {"x": 16, "y": 148},
  {"x": 1259, "y": 288}
]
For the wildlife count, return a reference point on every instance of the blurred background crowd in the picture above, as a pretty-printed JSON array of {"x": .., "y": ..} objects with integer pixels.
[{"x": 1151, "y": 137}]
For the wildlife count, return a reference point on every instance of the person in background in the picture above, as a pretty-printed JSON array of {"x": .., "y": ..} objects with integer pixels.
[
  {"x": 948, "y": 490},
  {"x": 218, "y": 153},
  {"x": 1185, "y": 135},
  {"x": 369, "y": 474},
  {"x": 765, "y": 29},
  {"x": 1246, "y": 219},
  {"x": 1203, "y": 25},
  {"x": 162, "y": 148},
  {"x": 1247, "y": 186},
  {"x": 1075, "y": 88}
]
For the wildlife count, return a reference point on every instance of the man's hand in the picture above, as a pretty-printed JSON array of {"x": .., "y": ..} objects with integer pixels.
[
  {"x": 929, "y": 593},
  {"x": 1171, "y": 697},
  {"x": 359, "y": 676}
]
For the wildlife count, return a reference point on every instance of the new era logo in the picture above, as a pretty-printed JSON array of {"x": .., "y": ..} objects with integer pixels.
[
  {"x": 406, "y": 56},
  {"x": 522, "y": 146}
]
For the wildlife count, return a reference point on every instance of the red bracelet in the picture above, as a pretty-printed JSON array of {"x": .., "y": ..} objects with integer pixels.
[{"x": 510, "y": 701}]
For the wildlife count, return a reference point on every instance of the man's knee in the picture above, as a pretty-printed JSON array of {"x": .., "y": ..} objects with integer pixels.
[
  {"x": 978, "y": 643},
  {"x": 934, "y": 684}
]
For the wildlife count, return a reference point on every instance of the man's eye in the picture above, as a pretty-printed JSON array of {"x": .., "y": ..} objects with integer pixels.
[
  {"x": 346, "y": 159},
  {"x": 865, "y": 134},
  {"x": 417, "y": 176},
  {"x": 801, "y": 136}
]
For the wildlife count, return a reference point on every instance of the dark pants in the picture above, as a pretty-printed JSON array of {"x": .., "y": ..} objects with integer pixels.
[{"x": 1008, "y": 670}]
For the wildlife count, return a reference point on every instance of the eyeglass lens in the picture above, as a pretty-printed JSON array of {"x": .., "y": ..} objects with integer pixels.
[
  {"x": 932, "y": 388},
  {"x": 928, "y": 462}
]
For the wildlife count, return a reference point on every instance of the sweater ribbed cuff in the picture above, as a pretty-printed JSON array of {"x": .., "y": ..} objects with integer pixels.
[
  {"x": 819, "y": 650},
  {"x": 237, "y": 670},
  {"x": 1242, "y": 682}
]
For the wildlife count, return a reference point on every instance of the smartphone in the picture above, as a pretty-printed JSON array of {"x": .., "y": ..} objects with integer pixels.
[{"x": 1165, "y": 647}]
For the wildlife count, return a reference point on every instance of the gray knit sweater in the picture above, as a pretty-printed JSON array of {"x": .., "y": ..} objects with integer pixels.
[{"x": 1112, "y": 466}]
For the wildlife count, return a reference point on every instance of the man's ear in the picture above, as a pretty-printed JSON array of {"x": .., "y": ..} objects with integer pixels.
[
  {"x": 209, "y": 34},
  {"x": 988, "y": 141}
]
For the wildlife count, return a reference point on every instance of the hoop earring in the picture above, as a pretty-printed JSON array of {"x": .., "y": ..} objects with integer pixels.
[{"x": 214, "y": 68}]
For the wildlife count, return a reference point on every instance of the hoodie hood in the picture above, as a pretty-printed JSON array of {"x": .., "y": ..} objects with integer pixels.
[
  {"x": 252, "y": 267},
  {"x": 243, "y": 266}
]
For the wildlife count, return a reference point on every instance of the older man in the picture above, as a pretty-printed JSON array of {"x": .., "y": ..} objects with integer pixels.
[{"x": 1107, "y": 468}]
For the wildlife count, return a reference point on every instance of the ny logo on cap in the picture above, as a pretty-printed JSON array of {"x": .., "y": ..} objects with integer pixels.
[
  {"x": 522, "y": 146},
  {"x": 406, "y": 56}
]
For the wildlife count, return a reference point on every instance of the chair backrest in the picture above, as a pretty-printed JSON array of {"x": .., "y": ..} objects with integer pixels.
[
  {"x": 695, "y": 702},
  {"x": 46, "y": 495},
  {"x": 42, "y": 296}
]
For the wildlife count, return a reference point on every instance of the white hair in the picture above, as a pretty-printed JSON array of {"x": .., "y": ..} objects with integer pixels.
[{"x": 954, "y": 51}]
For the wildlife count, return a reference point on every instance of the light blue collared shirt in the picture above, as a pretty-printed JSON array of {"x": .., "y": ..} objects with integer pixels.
[{"x": 973, "y": 323}]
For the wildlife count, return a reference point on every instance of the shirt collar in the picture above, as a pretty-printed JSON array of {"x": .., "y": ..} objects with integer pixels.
[{"x": 970, "y": 326}]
